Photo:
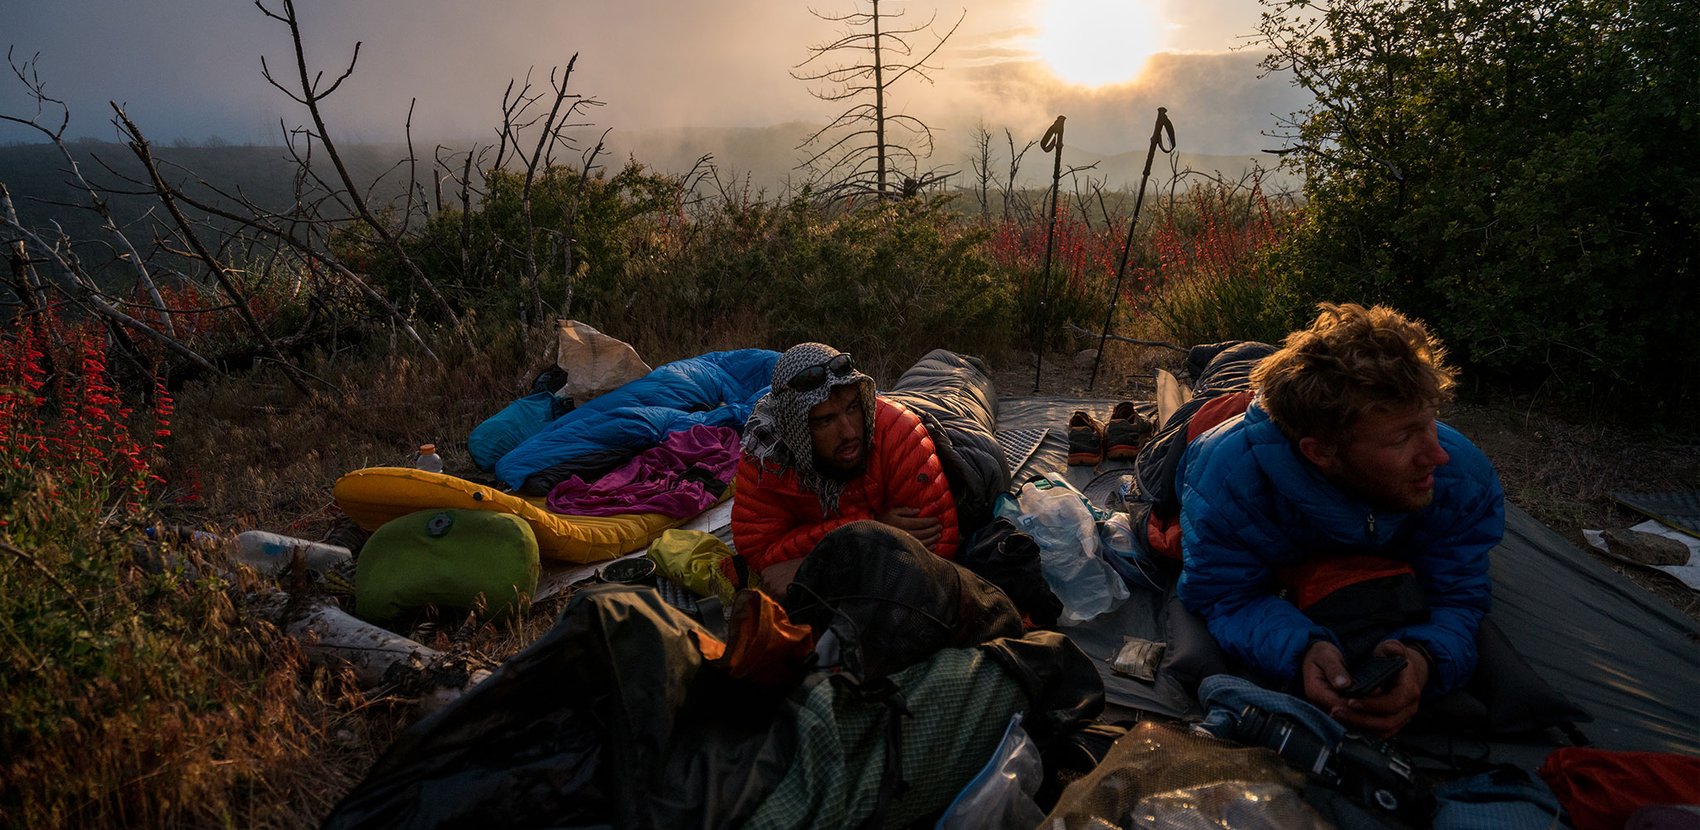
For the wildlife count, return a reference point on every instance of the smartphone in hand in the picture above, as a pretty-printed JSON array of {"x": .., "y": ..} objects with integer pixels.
[{"x": 1374, "y": 676}]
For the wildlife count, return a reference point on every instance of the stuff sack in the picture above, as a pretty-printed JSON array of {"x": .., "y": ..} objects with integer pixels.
[
  {"x": 595, "y": 363},
  {"x": 1061, "y": 520},
  {"x": 699, "y": 561},
  {"x": 1009, "y": 559},
  {"x": 446, "y": 558}
]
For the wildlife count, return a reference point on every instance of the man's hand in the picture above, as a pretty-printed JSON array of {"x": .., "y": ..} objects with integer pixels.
[
  {"x": 1384, "y": 714},
  {"x": 927, "y": 529},
  {"x": 776, "y": 578},
  {"x": 1323, "y": 671}
]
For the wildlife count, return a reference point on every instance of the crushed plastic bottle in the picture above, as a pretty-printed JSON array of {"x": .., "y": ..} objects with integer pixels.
[
  {"x": 428, "y": 459},
  {"x": 270, "y": 554},
  {"x": 184, "y": 535}
]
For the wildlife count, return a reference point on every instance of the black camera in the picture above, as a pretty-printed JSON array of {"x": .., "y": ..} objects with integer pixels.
[{"x": 1373, "y": 773}]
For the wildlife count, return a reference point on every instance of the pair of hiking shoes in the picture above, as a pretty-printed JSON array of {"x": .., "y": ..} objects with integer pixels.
[{"x": 1090, "y": 440}]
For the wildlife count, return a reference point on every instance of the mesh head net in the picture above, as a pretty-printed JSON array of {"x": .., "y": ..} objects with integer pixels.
[{"x": 891, "y": 601}]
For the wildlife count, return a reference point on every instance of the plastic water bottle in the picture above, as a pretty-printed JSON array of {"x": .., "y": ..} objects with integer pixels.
[
  {"x": 428, "y": 459},
  {"x": 270, "y": 553},
  {"x": 186, "y": 535}
]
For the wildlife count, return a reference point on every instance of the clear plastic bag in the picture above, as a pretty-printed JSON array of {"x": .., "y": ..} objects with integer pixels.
[
  {"x": 1001, "y": 795},
  {"x": 1065, "y": 525},
  {"x": 1227, "y": 805},
  {"x": 1125, "y": 554}
]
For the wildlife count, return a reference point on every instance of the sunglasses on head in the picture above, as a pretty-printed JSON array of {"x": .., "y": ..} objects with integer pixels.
[{"x": 811, "y": 378}]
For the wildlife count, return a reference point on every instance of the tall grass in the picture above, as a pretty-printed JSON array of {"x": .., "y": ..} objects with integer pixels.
[{"x": 133, "y": 692}]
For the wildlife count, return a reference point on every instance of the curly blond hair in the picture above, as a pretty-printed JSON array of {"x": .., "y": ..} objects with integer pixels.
[{"x": 1348, "y": 362}]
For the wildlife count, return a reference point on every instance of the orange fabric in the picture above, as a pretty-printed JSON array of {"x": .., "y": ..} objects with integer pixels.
[
  {"x": 1318, "y": 576},
  {"x": 1601, "y": 788},
  {"x": 766, "y": 647},
  {"x": 1219, "y": 409},
  {"x": 711, "y": 648},
  {"x": 775, "y": 520},
  {"x": 1164, "y": 535}
]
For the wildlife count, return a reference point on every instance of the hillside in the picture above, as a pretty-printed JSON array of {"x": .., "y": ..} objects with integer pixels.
[
  {"x": 762, "y": 158},
  {"x": 45, "y": 193}
]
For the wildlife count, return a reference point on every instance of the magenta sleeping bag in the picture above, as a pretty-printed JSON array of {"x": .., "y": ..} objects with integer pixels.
[{"x": 681, "y": 477}]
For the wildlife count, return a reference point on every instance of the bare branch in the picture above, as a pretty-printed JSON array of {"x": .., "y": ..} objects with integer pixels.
[
  {"x": 322, "y": 133},
  {"x": 139, "y": 145}
]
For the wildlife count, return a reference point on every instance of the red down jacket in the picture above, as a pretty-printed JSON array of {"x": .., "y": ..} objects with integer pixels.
[{"x": 775, "y": 520}]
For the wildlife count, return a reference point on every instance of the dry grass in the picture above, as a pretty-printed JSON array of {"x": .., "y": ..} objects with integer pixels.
[
  {"x": 1562, "y": 467},
  {"x": 252, "y": 453},
  {"x": 138, "y": 693},
  {"x": 249, "y": 452}
]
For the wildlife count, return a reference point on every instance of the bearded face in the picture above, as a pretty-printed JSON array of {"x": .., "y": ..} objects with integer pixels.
[
  {"x": 1388, "y": 458},
  {"x": 838, "y": 430}
]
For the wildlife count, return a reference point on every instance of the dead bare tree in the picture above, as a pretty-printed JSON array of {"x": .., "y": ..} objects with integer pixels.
[
  {"x": 215, "y": 266},
  {"x": 981, "y": 162},
  {"x": 522, "y": 113},
  {"x": 75, "y": 284},
  {"x": 28, "y": 248},
  {"x": 570, "y": 270},
  {"x": 27, "y": 73},
  {"x": 855, "y": 153},
  {"x": 297, "y": 229},
  {"x": 1078, "y": 193},
  {"x": 1013, "y": 206},
  {"x": 310, "y": 91}
]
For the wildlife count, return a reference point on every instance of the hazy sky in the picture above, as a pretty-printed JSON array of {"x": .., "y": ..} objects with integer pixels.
[{"x": 191, "y": 68}]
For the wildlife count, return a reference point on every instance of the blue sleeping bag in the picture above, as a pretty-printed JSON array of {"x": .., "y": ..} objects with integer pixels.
[
  {"x": 716, "y": 389},
  {"x": 505, "y": 430}
]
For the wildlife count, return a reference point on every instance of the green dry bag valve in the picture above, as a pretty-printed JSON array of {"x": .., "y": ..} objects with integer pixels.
[{"x": 440, "y": 524}]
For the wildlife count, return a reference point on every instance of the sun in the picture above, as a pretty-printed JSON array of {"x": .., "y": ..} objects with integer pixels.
[{"x": 1098, "y": 42}]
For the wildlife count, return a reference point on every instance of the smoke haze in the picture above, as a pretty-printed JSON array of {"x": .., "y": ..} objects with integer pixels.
[{"x": 191, "y": 69}]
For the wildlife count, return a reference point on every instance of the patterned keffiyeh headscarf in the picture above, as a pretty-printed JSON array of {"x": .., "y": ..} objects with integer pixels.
[{"x": 777, "y": 433}]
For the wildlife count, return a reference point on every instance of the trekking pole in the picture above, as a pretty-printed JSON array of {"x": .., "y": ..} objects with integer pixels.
[
  {"x": 1052, "y": 141},
  {"x": 1162, "y": 127}
]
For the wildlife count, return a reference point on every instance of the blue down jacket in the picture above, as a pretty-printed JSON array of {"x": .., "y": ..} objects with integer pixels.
[
  {"x": 1250, "y": 503},
  {"x": 716, "y": 389}
]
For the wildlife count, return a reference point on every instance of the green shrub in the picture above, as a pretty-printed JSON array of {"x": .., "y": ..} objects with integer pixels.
[
  {"x": 894, "y": 279},
  {"x": 1521, "y": 175},
  {"x": 1213, "y": 280}
]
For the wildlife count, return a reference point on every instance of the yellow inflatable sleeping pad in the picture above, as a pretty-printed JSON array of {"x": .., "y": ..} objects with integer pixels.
[{"x": 376, "y": 495}]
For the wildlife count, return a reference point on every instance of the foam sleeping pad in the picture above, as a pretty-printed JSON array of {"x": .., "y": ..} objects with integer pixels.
[{"x": 376, "y": 495}]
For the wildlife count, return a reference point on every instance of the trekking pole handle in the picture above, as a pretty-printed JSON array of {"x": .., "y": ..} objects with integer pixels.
[{"x": 1163, "y": 127}]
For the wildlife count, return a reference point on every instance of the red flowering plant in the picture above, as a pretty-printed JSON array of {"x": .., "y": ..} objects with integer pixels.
[
  {"x": 1210, "y": 280},
  {"x": 1083, "y": 266},
  {"x": 64, "y": 426}
]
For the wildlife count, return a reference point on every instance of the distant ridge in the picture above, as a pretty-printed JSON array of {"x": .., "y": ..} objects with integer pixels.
[
  {"x": 760, "y": 159},
  {"x": 768, "y": 156}
]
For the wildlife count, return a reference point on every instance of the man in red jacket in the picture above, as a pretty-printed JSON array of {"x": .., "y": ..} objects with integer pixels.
[{"x": 822, "y": 450}]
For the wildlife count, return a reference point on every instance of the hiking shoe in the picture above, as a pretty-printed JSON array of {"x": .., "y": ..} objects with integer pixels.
[
  {"x": 1085, "y": 438},
  {"x": 1126, "y": 431}
]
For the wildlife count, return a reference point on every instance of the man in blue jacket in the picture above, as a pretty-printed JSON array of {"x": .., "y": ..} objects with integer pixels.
[{"x": 1337, "y": 520}]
